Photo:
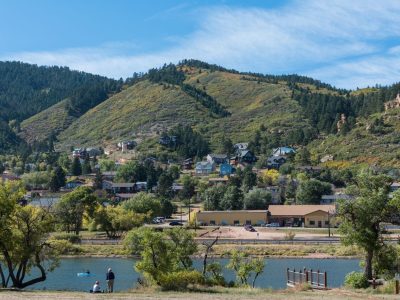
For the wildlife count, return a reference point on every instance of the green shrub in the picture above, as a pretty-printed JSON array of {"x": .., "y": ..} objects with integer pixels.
[
  {"x": 180, "y": 281},
  {"x": 64, "y": 247},
  {"x": 356, "y": 280},
  {"x": 70, "y": 237}
]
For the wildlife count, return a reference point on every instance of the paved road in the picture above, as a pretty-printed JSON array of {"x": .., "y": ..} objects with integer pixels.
[{"x": 232, "y": 241}]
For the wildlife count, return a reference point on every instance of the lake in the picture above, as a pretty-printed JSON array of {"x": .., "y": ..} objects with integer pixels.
[{"x": 274, "y": 276}]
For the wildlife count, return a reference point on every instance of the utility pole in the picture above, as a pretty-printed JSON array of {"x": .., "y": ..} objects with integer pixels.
[
  {"x": 329, "y": 224},
  {"x": 189, "y": 213}
]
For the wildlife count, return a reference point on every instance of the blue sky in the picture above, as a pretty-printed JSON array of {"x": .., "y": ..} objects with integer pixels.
[{"x": 346, "y": 43}]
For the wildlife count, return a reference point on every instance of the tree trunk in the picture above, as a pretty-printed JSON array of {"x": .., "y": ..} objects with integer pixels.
[
  {"x": 208, "y": 249},
  {"x": 254, "y": 280},
  {"x": 3, "y": 278},
  {"x": 368, "y": 264},
  {"x": 18, "y": 283}
]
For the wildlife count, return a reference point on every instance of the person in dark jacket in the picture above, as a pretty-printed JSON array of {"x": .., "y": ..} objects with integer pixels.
[{"x": 110, "y": 280}]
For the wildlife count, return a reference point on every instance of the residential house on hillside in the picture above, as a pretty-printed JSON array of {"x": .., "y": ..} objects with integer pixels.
[
  {"x": 9, "y": 177},
  {"x": 331, "y": 199},
  {"x": 79, "y": 152},
  {"x": 109, "y": 175},
  {"x": 394, "y": 186},
  {"x": 226, "y": 170},
  {"x": 241, "y": 146},
  {"x": 126, "y": 145},
  {"x": 118, "y": 188},
  {"x": 245, "y": 156},
  {"x": 217, "y": 158},
  {"x": 275, "y": 162},
  {"x": 93, "y": 152},
  {"x": 141, "y": 186},
  {"x": 204, "y": 168},
  {"x": 187, "y": 164},
  {"x": 122, "y": 197},
  {"x": 283, "y": 151},
  {"x": 73, "y": 184}
]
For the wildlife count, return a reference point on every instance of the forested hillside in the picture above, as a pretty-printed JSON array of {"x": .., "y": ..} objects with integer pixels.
[
  {"x": 266, "y": 110},
  {"x": 26, "y": 90}
]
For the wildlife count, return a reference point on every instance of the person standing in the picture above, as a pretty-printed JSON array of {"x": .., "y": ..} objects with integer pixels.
[{"x": 110, "y": 280}]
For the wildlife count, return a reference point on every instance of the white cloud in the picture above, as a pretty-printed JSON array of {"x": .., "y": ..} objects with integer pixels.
[
  {"x": 340, "y": 42},
  {"x": 366, "y": 71}
]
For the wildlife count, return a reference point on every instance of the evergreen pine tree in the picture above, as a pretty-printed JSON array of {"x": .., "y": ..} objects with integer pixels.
[
  {"x": 57, "y": 179},
  {"x": 98, "y": 180},
  {"x": 86, "y": 168},
  {"x": 76, "y": 168}
]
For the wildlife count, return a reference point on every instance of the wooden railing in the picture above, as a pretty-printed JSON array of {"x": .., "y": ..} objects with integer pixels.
[{"x": 316, "y": 279}]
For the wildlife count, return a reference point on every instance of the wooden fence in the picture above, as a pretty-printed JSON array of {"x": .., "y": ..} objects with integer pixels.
[{"x": 316, "y": 279}]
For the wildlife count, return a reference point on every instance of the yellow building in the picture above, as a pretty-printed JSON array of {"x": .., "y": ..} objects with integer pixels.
[
  {"x": 314, "y": 216},
  {"x": 232, "y": 217}
]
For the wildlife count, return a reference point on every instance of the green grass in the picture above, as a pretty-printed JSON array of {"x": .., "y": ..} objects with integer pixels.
[
  {"x": 287, "y": 250},
  {"x": 361, "y": 147},
  {"x": 40, "y": 126},
  {"x": 271, "y": 250},
  {"x": 144, "y": 110}
]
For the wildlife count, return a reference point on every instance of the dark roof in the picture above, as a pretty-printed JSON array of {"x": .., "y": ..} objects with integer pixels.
[{"x": 123, "y": 184}]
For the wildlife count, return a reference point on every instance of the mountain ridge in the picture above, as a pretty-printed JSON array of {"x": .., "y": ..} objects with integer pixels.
[{"x": 266, "y": 110}]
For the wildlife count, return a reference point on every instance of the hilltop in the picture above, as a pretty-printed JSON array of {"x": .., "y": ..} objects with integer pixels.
[
  {"x": 266, "y": 110},
  {"x": 149, "y": 108}
]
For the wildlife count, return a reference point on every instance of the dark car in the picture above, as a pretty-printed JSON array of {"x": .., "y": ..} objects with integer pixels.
[
  {"x": 249, "y": 228},
  {"x": 175, "y": 223}
]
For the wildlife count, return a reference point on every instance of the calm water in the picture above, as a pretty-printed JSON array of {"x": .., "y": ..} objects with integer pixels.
[{"x": 274, "y": 276}]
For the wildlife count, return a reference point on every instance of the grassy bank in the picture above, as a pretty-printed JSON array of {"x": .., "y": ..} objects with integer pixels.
[
  {"x": 282, "y": 250},
  {"x": 209, "y": 294}
]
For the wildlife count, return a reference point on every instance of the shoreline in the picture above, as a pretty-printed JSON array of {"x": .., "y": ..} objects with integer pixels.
[
  {"x": 220, "y": 256},
  {"x": 201, "y": 294}
]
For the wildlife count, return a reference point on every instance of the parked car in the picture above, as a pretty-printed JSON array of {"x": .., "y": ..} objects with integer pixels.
[
  {"x": 272, "y": 225},
  {"x": 158, "y": 220},
  {"x": 249, "y": 228},
  {"x": 175, "y": 223}
]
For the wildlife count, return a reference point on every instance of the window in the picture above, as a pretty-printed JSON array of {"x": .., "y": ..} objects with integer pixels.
[
  {"x": 248, "y": 222},
  {"x": 326, "y": 222},
  {"x": 312, "y": 222},
  {"x": 212, "y": 222},
  {"x": 236, "y": 222}
]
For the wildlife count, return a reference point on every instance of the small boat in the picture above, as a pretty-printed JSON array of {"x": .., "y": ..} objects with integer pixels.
[{"x": 84, "y": 274}]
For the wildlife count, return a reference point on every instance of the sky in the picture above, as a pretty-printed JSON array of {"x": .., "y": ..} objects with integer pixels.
[{"x": 348, "y": 44}]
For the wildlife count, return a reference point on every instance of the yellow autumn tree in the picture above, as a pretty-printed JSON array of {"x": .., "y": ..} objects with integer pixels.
[{"x": 269, "y": 177}]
